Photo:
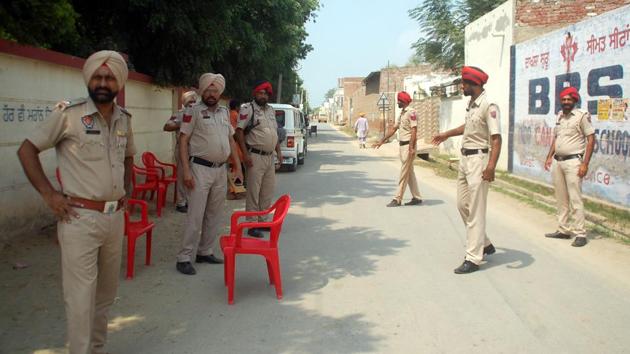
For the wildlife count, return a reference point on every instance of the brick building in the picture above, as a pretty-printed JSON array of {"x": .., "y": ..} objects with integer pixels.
[{"x": 536, "y": 17}]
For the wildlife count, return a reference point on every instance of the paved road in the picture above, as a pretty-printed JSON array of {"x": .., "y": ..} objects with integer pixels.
[{"x": 360, "y": 277}]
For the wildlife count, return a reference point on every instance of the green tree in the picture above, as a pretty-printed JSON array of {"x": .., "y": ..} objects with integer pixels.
[
  {"x": 42, "y": 23},
  {"x": 176, "y": 41},
  {"x": 330, "y": 93},
  {"x": 442, "y": 24}
]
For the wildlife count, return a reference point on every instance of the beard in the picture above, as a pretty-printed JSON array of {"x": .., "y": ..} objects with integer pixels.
[
  {"x": 210, "y": 101},
  {"x": 261, "y": 101},
  {"x": 102, "y": 95},
  {"x": 568, "y": 106}
]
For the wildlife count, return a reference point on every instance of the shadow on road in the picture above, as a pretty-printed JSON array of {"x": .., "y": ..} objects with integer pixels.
[{"x": 511, "y": 258}]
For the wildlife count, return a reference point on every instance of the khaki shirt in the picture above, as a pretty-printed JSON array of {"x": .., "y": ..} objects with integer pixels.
[
  {"x": 571, "y": 132},
  {"x": 90, "y": 154},
  {"x": 209, "y": 132},
  {"x": 482, "y": 121},
  {"x": 264, "y": 135},
  {"x": 408, "y": 119}
]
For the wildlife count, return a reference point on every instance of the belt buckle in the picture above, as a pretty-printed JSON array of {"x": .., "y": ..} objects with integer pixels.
[{"x": 110, "y": 207}]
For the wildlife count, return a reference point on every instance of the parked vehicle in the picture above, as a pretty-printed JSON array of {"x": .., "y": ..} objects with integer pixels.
[{"x": 294, "y": 147}]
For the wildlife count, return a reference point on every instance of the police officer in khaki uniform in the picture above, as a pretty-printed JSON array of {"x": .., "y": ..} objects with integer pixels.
[
  {"x": 172, "y": 125},
  {"x": 572, "y": 148},
  {"x": 257, "y": 135},
  {"x": 408, "y": 125},
  {"x": 206, "y": 143},
  {"x": 94, "y": 144},
  {"x": 481, "y": 145}
]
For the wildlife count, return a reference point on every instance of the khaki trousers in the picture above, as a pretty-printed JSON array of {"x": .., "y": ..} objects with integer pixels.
[
  {"x": 472, "y": 194},
  {"x": 205, "y": 210},
  {"x": 407, "y": 175},
  {"x": 261, "y": 181},
  {"x": 181, "y": 188},
  {"x": 91, "y": 248},
  {"x": 568, "y": 188}
]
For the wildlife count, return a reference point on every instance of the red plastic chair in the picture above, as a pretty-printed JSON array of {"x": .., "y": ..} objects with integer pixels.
[
  {"x": 135, "y": 229},
  {"x": 235, "y": 243},
  {"x": 151, "y": 161},
  {"x": 151, "y": 184}
]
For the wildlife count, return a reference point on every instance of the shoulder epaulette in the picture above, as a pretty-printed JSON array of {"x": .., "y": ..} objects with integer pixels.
[
  {"x": 125, "y": 111},
  {"x": 65, "y": 104}
]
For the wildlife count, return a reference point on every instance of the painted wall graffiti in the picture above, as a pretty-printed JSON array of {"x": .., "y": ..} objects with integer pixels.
[{"x": 594, "y": 57}]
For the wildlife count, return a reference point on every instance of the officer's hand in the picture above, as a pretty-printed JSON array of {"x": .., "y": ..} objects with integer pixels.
[
  {"x": 247, "y": 160},
  {"x": 412, "y": 152},
  {"x": 438, "y": 139},
  {"x": 189, "y": 182},
  {"x": 583, "y": 170},
  {"x": 61, "y": 206},
  {"x": 488, "y": 174},
  {"x": 238, "y": 174},
  {"x": 548, "y": 163},
  {"x": 279, "y": 162},
  {"x": 377, "y": 145}
]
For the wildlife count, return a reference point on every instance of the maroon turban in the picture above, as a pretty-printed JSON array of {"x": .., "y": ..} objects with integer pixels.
[
  {"x": 570, "y": 91},
  {"x": 476, "y": 75},
  {"x": 404, "y": 97},
  {"x": 263, "y": 86}
]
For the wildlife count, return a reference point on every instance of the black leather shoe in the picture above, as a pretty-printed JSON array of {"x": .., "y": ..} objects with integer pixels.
[
  {"x": 414, "y": 201},
  {"x": 255, "y": 233},
  {"x": 466, "y": 267},
  {"x": 208, "y": 259},
  {"x": 182, "y": 208},
  {"x": 489, "y": 249},
  {"x": 186, "y": 268},
  {"x": 579, "y": 241},
  {"x": 558, "y": 234},
  {"x": 393, "y": 203}
]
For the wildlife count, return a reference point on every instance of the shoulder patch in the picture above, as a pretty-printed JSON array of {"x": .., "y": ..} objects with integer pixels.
[
  {"x": 65, "y": 104},
  {"x": 412, "y": 115},
  {"x": 243, "y": 116},
  {"x": 187, "y": 118}
]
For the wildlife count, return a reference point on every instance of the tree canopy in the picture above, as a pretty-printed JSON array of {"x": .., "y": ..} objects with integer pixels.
[
  {"x": 175, "y": 41},
  {"x": 442, "y": 23}
]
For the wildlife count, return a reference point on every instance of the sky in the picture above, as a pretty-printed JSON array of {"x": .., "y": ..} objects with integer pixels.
[{"x": 354, "y": 38}]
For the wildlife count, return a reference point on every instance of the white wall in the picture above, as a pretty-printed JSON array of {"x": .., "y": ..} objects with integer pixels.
[
  {"x": 30, "y": 89},
  {"x": 488, "y": 42},
  {"x": 452, "y": 112}
]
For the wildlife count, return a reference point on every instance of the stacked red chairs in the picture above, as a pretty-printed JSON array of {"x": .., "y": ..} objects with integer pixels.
[
  {"x": 151, "y": 184},
  {"x": 151, "y": 161},
  {"x": 235, "y": 243}
]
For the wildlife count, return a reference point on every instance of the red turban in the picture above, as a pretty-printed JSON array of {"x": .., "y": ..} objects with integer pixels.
[
  {"x": 404, "y": 97},
  {"x": 570, "y": 91},
  {"x": 263, "y": 86},
  {"x": 476, "y": 75}
]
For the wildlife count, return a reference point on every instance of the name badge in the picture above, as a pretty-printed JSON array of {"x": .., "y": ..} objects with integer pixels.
[
  {"x": 93, "y": 132},
  {"x": 120, "y": 133},
  {"x": 110, "y": 207},
  {"x": 206, "y": 117}
]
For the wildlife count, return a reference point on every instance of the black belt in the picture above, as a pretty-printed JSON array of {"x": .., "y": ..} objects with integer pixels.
[
  {"x": 467, "y": 152},
  {"x": 259, "y": 152},
  {"x": 200, "y": 161},
  {"x": 403, "y": 143},
  {"x": 567, "y": 157}
]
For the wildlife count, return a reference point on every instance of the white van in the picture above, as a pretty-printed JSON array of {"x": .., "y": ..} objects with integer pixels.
[{"x": 294, "y": 147}]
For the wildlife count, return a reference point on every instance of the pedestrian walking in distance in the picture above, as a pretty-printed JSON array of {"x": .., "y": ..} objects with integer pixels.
[
  {"x": 407, "y": 123},
  {"x": 481, "y": 145},
  {"x": 572, "y": 148},
  {"x": 361, "y": 128}
]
